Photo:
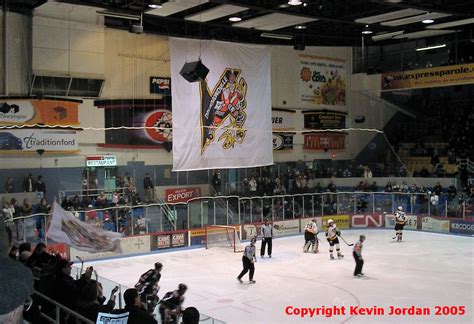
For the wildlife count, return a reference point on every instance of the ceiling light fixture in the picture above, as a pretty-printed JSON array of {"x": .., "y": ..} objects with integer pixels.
[
  {"x": 300, "y": 27},
  {"x": 295, "y": 2},
  {"x": 366, "y": 30},
  {"x": 235, "y": 19},
  {"x": 430, "y": 47},
  {"x": 277, "y": 36},
  {"x": 155, "y": 4},
  {"x": 428, "y": 21}
]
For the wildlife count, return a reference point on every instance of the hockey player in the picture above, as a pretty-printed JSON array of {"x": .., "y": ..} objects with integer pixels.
[
  {"x": 171, "y": 305},
  {"x": 248, "y": 261},
  {"x": 400, "y": 221},
  {"x": 332, "y": 233},
  {"x": 311, "y": 237},
  {"x": 148, "y": 287}
]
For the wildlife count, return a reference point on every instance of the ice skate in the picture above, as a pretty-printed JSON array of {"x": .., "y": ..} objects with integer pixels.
[
  {"x": 240, "y": 280},
  {"x": 331, "y": 257},
  {"x": 252, "y": 281},
  {"x": 340, "y": 255}
]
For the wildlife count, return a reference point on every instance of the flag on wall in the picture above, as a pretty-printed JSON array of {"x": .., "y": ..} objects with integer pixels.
[
  {"x": 223, "y": 121},
  {"x": 65, "y": 228}
]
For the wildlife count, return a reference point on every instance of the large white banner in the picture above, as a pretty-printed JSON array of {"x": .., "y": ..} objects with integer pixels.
[
  {"x": 223, "y": 121},
  {"x": 65, "y": 228}
]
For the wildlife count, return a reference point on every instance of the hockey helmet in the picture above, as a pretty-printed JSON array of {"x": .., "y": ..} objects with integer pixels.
[
  {"x": 400, "y": 208},
  {"x": 254, "y": 240},
  {"x": 314, "y": 220},
  {"x": 158, "y": 266},
  {"x": 330, "y": 221},
  {"x": 182, "y": 288}
]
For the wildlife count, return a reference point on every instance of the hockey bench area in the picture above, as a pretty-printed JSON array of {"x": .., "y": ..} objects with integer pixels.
[{"x": 427, "y": 278}]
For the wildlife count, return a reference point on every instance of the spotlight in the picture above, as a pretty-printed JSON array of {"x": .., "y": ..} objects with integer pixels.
[{"x": 366, "y": 30}]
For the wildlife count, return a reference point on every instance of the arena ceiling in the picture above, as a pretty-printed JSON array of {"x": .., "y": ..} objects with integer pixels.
[{"x": 312, "y": 23}]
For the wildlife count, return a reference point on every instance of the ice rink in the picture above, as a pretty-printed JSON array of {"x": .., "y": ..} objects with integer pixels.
[{"x": 425, "y": 270}]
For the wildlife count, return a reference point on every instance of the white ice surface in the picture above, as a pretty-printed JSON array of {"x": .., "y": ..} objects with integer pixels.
[{"x": 425, "y": 270}]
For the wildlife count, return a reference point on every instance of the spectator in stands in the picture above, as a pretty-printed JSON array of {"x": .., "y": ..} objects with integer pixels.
[
  {"x": 216, "y": 183},
  {"x": 40, "y": 186},
  {"x": 434, "y": 200},
  {"x": 7, "y": 213},
  {"x": 135, "y": 308},
  {"x": 451, "y": 192},
  {"x": 91, "y": 299},
  {"x": 43, "y": 208},
  {"x": 101, "y": 200},
  {"x": 85, "y": 186},
  {"x": 26, "y": 209},
  {"x": 388, "y": 187},
  {"x": 438, "y": 189},
  {"x": 29, "y": 184},
  {"x": 66, "y": 204},
  {"x": 76, "y": 203},
  {"x": 149, "y": 189},
  {"x": 253, "y": 186},
  {"x": 331, "y": 187},
  {"x": 191, "y": 315},
  {"x": 24, "y": 252},
  {"x": 67, "y": 290},
  {"x": 9, "y": 186},
  {"x": 424, "y": 173}
]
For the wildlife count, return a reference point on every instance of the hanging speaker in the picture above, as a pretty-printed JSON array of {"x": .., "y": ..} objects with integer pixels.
[
  {"x": 194, "y": 71},
  {"x": 168, "y": 146}
]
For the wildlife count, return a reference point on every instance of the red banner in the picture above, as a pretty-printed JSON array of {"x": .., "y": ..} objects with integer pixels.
[
  {"x": 324, "y": 141},
  {"x": 177, "y": 195}
]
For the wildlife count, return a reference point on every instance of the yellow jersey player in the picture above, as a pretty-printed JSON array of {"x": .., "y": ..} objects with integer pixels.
[
  {"x": 332, "y": 233},
  {"x": 400, "y": 221}
]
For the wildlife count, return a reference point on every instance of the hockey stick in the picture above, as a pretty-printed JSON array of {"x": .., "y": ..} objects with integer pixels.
[
  {"x": 82, "y": 265},
  {"x": 345, "y": 241}
]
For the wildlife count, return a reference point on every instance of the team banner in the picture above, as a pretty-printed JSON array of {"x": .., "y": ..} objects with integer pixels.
[
  {"x": 324, "y": 119},
  {"x": 323, "y": 80},
  {"x": 31, "y": 140},
  {"x": 223, "y": 121},
  {"x": 65, "y": 228},
  {"x": 342, "y": 221},
  {"x": 324, "y": 141},
  {"x": 282, "y": 228},
  {"x": 441, "y": 76},
  {"x": 138, "y": 123},
  {"x": 31, "y": 112},
  {"x": 411, "y": 223}
]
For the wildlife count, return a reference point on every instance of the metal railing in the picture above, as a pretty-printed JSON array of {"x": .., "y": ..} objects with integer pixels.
[
  {"x": 203, "y": 211},
  {"x": 59, "y": 310}
]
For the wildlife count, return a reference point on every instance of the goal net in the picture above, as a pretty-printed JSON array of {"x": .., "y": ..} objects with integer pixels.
[{"x": 223, "y": 236}]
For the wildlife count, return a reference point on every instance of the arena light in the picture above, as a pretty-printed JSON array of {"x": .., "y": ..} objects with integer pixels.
[
  {"x": 430, "y": 47},
  {"x": 366, "y": 30},
  {"x": 277, "y": 36},
  {"x": 295, "y": 2}
]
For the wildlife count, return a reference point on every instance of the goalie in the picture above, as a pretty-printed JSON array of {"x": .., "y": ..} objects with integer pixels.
[
  {"x": 400, "y": 221},
  {"x": 332, "y": 234},
  {"x": 311, "y": 237}
]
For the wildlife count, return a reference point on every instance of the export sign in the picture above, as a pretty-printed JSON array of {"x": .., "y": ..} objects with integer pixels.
[
  {"x": 177, "y": 195},
  {"x": 462, "y": 227},
  {"x": 367, "y": 221},
  {"x": 427, "y": 78},
  {"x": 435, "y": 225}
]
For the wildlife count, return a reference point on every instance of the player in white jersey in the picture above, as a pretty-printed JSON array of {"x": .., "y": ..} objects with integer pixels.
[
  {"x": 331, "y": 235},
  {"x": 400, "y": 221},
  {"x": 311, "y": 237}
]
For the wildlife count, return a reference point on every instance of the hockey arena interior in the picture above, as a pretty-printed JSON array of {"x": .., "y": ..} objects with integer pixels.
[{"x": 247, "y": 161}]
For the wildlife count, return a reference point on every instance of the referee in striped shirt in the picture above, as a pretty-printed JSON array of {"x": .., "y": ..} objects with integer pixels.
[{"x": 267, "y": 236}]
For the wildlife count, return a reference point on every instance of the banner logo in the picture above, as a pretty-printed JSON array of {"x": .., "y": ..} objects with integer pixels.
[{"x": 224, "y": 107}]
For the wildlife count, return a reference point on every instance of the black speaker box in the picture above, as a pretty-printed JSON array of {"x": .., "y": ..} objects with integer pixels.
[
  {"x": 168, "y": 146},
  {"x": 194, "y": 71}
]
